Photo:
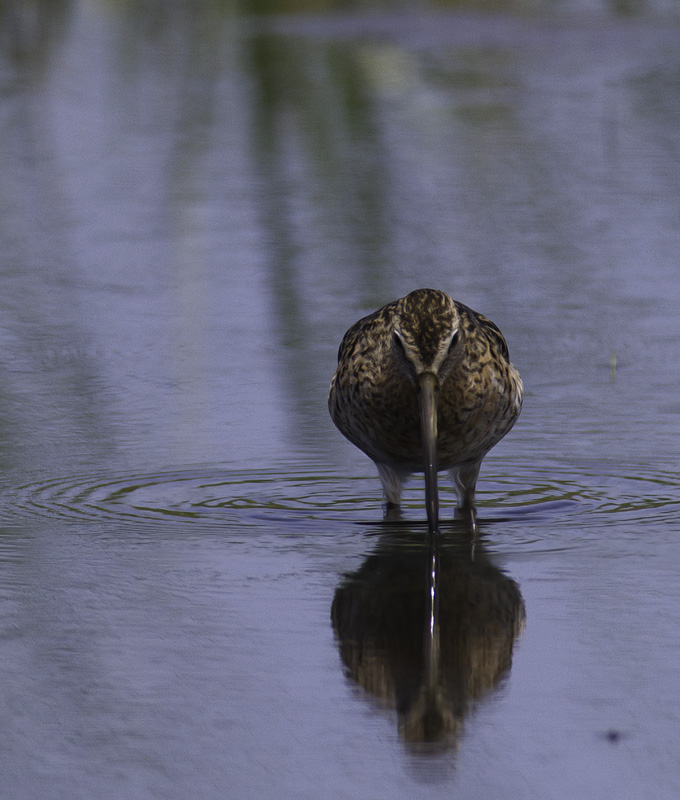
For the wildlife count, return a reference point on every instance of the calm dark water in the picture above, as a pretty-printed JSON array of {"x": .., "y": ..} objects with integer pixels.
[{"x": 197, "y": 595}]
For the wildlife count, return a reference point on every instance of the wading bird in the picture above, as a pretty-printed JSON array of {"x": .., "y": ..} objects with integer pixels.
[{"x": 425, "y": 384}]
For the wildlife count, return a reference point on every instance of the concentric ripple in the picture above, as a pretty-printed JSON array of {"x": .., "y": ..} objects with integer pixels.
[
  {"x": 202, "y": 495},
  {"x": 588, "y": 496}
]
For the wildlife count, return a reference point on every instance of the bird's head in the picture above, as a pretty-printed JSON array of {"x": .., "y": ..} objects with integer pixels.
[{"x": 426, "y": 335}]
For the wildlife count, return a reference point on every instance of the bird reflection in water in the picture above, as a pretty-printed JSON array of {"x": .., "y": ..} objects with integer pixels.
[{"x": 427, "y": 625}]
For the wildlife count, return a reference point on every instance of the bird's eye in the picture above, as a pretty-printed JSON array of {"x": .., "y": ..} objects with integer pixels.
[
  {"x": 396, "y": 339},
  {"x": 454, "y": 341}
]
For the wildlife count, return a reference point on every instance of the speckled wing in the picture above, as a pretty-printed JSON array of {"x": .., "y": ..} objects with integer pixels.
[
  {"x": 360, "y": 328},
  {"x": 490, "y": 328}
]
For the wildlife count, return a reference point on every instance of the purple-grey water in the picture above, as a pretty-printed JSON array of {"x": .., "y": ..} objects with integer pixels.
[{"x": 196, "y": 596}]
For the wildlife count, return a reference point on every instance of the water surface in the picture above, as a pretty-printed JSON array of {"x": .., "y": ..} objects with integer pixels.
[{"x": 197, "y": 593}]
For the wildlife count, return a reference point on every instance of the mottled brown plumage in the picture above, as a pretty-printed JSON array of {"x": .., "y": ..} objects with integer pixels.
[{"x": 425, "y": 384}]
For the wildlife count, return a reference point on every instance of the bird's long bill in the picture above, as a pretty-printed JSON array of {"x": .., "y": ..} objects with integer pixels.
[{"x": 428, "y": 390}]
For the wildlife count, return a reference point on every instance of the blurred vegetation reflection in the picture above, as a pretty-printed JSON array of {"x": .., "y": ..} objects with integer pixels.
[{"x": 430, "y": 663}]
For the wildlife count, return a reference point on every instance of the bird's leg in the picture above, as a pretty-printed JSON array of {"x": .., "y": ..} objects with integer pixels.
[
  {"x": 464, "y": 480},
  {"x": 393, "y": 484}
]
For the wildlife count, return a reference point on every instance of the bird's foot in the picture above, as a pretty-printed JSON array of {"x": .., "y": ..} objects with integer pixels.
[
  {"x": 391, "y": 511},
  {"x": 468, "y": 514}
]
